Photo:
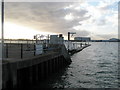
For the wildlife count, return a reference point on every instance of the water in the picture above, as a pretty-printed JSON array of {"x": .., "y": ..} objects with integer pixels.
[{"x": 94, "y": 67}]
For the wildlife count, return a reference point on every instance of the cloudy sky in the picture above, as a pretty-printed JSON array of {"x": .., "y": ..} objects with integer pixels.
[{"x": 97, "y": 19}]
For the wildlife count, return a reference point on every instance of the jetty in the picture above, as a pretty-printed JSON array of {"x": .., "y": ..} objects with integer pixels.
[
  {"x": 27, "y": 64},
  {"x": 73, "y": 51}
]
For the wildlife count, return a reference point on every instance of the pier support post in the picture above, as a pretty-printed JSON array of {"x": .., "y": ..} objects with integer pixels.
[
  {"x": 30, "y": 71},
  {"x": 46, "y": 69},
  {"x": 53, "y": 65},
  {"x": 35, "y": 74},
  {"x": 39, "y": 72},
  {"x": 61, "y": 62},
  {"x": 5, "y": 76},
  {"x": 50, "y": 66},
  {"x": 42, "y": 71},
  {"x": 13, "y": 74},
  {"x": 58, "y": 63}
]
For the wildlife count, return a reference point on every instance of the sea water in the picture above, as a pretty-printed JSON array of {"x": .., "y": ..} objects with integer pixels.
[{"x": 94, "y": 67}]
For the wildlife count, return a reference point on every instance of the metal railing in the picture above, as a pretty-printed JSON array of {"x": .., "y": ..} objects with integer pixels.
[
  {"x": 74, "y": 45},
  {"x": 22, "y": 41},
  {"x": 13, "y": 50},
  {"x": 27, "y": 48}
]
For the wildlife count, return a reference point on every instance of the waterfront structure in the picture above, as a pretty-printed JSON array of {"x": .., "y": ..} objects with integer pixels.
[
  {"x": 26, "y": 64},
  {"x": 61, "y": 39},
  {"x": 84, "y": 39},
  {"x": 54, "y": 39},
  {"x": 113, "y": 40}
]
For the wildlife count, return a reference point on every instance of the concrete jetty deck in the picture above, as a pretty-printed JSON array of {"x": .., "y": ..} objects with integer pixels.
[{"x": 20, "y": 73}]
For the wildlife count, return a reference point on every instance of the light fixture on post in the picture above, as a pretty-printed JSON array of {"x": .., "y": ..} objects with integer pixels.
[{"x": 69, "y": 37}]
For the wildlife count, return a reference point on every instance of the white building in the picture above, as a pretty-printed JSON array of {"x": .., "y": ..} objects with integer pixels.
[{"x": 54, "y": 39}]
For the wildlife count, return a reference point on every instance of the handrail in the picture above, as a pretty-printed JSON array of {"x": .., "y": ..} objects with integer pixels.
[{"x": 21, "y": 49}]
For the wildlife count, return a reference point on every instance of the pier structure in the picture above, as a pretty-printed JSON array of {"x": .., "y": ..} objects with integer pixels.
[
  {"x": 29, "y": 64},
  {"x": 19, "y": 73}
]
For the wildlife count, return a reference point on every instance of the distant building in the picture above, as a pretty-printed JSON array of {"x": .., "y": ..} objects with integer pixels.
[{"x": 84, "y": 39}]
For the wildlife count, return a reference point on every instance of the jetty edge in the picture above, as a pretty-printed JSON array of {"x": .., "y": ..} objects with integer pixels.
[{"x": 20, "y": 73}]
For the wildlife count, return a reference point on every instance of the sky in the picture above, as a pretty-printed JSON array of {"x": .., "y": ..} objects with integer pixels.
[{"x": 97, "y": 19}]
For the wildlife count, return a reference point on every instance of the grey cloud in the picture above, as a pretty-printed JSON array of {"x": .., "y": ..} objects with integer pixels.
[
  {"x": 101, "y": 22},
  {"x": 82, "y": 33},
  {"x": 44, "y": 16},
  {"x": 110, "y": 6},
  {"x": 105, "y": 7},
  {"x": 81, "y": 12},
  {"x": 107, "y": 36}
]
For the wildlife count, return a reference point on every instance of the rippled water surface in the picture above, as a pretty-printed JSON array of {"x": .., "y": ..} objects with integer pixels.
[{"x": 94, "y": 67}]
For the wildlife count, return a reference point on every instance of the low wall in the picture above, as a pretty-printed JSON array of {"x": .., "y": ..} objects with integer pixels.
[
  {"x": 18, "y": 51},
  {"x": 20, "y": 73}
]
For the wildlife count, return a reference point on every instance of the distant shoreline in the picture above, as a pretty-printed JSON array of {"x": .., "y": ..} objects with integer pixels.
[{"x": 64, "y": 40}]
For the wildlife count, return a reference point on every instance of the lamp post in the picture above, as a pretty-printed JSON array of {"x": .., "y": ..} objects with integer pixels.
[
  {"x": 2, "y": 29},
  {"x": 69, "y": 38},
  {"x": 2, "y": 42}
]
